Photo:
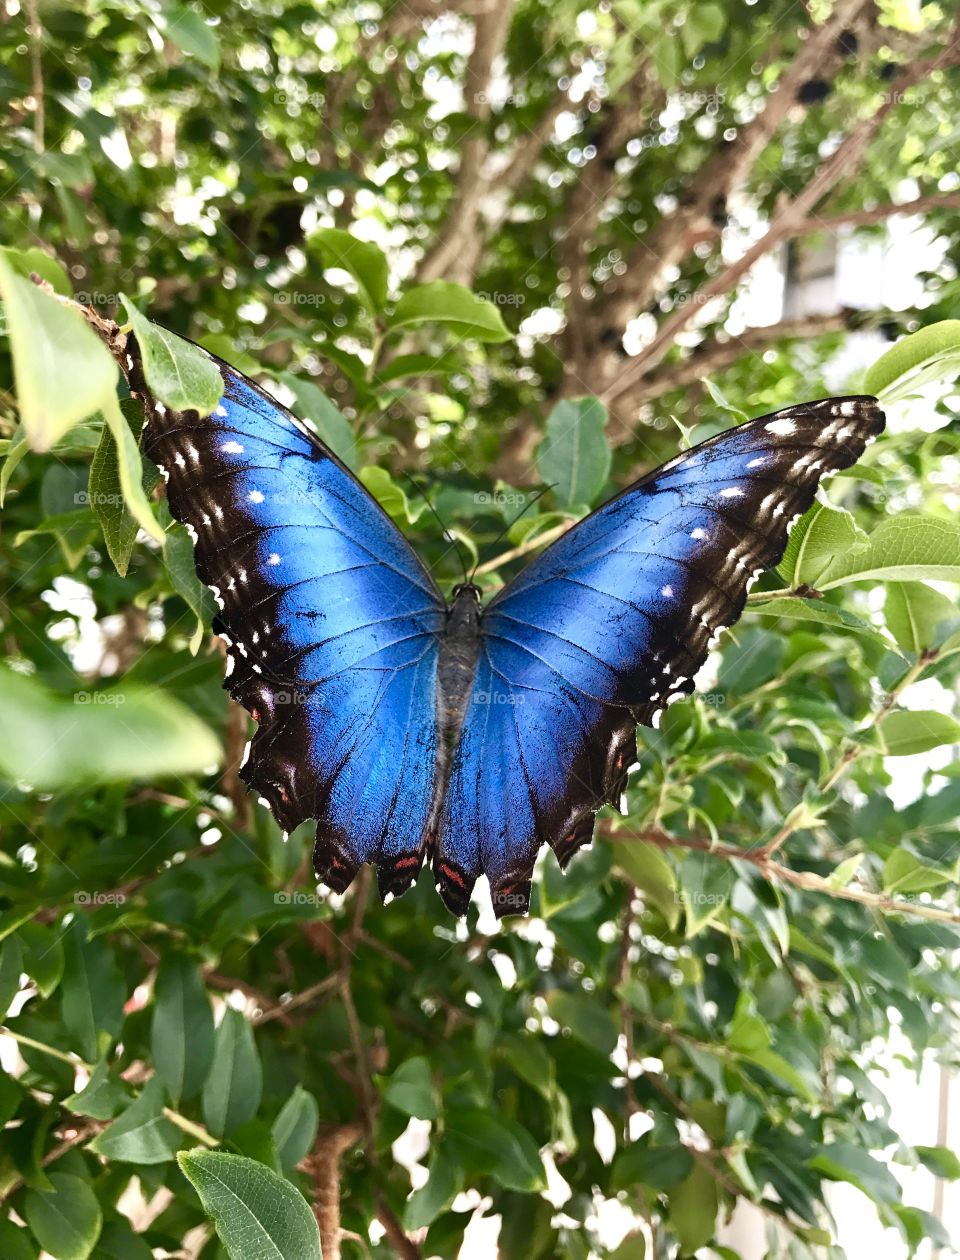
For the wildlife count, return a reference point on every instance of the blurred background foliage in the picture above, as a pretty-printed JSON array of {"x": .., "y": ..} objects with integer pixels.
[{"x": 492, "y": 249}]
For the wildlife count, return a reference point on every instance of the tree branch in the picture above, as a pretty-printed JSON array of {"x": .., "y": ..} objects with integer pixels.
[
  {"x": 774, "y": 871},
  {"x": 729, "y": 166},
  {"x": 846, "y": 158},
  {"x": 445, "y": 258},
  {"x": 714, "y": 356}
]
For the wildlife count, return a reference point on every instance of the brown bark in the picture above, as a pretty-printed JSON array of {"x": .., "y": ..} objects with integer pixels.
[
  {"x": 447, "y": 255},
  {"x": 724, "y": 172}
]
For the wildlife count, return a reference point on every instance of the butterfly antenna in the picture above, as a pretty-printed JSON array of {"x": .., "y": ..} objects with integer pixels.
[
  {"x": 510, "y": 524},
  {"x": 445, "y": 532}
]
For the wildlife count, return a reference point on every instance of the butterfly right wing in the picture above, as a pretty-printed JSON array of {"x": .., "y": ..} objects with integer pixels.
[
  {"x": 609, "y": 625},
  {"x": 331, "y": 622}
]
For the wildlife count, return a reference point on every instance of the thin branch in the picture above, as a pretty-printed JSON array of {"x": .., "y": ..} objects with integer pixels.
[
  {"x": 531, "y": 544},
  {"x": 714, "y": 356},
  {"x": 322, "y": 1166},
  {"x": 35, "y": 35},
  {"x": 774, "y": 871},
  {"x": 876, "y": 214},
  {"x": 846, "y": 157},
  {"x": 721, "y": 174}
]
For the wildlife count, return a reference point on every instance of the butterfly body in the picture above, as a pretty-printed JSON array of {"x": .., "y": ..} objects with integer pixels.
[{"x": 408, "y": 726}]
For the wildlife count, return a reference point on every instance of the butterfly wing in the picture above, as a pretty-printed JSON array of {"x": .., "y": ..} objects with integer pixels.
[
  {"x": 331, "y": 623},
  {"x": 610, "y": 624}
]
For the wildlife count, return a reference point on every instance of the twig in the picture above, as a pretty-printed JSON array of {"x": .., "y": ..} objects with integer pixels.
[
  {"x": 856, "y": 746},
  {"x": 35, "y": 34},
  {"x": 772, "y": 871}
]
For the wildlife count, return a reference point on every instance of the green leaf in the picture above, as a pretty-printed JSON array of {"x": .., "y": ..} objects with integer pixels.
[
  {"x": 844, "y": 871},
  {"x": 119, "y": 1242},
  {"x": 411, "y": 1089},
  {"x": 842, "y": 1161},
  {"x": 63, "y": 372},
  {"x": 107, "y": 500},
  {"x": 190, "y": 33},
  {"x": 589, "y": 1022},
  {"x": 442, "y": 302},
  {"x": 93, "y": 990},
  {"x": 932, "y": 354},
  {"x": 331, "y": 424},
  {"x": 15, "y": 1243},
  {"x": 258, "y": 1214},
  {"x": 391, "y": 497},
  {"x": 295, "y": 1128},
  {"x": 128, "y": 470},
  {"x": 36, "y": 261},
  {"x": 815, "y": 610},
  {"x": 817, "y": 539},
  {"x": 66, "y": 1221},
  {"x": 19, "y": 446},
  {"x": 918, "y": 616},
  {"x": 11, "y": 965},
  {"x": 747, "y": 1033},
  {"x": 99, "y": 737},
  {"x": 231, "y": 1092},
  {"x": 101, "y": 1097},
  {"x": 659, "y": 1167},
  {"x": 182, "y": 572},
  {"x": 904, "y": 872},
  {"x": 901, "y": 549},
  {"x": 574, "y": 456},
  {"x": 909, "y": 731},
  {"x": 693, "y": 1210},
  {"x": 181, "y": 1032},
  {"x": 494, "y": 1144},
  {"x": 941, "y": 1161},
  {"x": 364, "y": 261},
  {"x": 706, "y": 886},
  {"x": 178, "y": 374},
  {"x": 435, "y": 1195},
  {"x": 648, "y": 867},
  {"x": 141, "y": 1134},
  {"x": 778, "y": 1066}
]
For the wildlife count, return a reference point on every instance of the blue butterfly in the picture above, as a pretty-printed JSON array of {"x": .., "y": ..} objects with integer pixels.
[{"x": 409, "y": 726}]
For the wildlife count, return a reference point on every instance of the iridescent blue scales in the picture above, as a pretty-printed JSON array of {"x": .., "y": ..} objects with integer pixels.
[{"x": 409, "y": 727}]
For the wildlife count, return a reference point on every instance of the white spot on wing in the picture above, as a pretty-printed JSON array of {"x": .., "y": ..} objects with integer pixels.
[
  {"x": 731, "y": 492},
  {"x": 782, "y": 427},
  {"x": 273, "y": 558},
  {"x": 666, "y": 591},
  {"x": 255, "y": 496},
  {"x": 231, "y": 447}
]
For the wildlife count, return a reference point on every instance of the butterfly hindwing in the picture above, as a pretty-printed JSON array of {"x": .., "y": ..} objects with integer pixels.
[
  {"x": 611, "y": 623},
  {"x": 331, "y": 621}
]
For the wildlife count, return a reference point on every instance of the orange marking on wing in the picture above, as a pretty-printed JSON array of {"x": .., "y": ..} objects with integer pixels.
[{"x": 452, "y": 874}]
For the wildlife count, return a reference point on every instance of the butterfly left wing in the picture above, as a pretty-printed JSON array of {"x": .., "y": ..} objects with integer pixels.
[
  {"x": 610, "y": 624},
  {"x": 331, "y": 623}
]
